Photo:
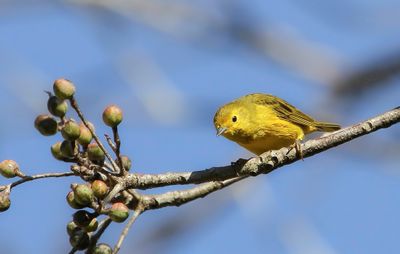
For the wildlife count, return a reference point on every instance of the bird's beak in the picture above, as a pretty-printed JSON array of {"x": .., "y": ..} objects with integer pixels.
[{"x": 220, "y": 131}]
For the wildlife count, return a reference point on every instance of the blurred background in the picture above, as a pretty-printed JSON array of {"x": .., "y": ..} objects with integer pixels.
[{"x": 170, "y": 64}]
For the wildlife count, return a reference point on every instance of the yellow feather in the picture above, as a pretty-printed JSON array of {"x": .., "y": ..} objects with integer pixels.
[{"x": 262, "y": 122}]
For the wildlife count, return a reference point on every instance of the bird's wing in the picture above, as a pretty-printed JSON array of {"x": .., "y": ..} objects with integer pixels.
[{"x": 284, "y": 110}]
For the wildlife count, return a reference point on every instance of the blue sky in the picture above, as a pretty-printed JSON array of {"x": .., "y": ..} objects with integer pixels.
[{"x": 170, "y": 74}]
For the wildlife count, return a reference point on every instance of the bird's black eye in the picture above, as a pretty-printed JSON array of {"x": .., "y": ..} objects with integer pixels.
[{"x": 234, "y": 119}]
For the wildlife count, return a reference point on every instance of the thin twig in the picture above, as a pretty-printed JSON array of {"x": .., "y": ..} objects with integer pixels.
[
  {"x": 134, "y": 194},
  {"x": 74, "y": 105},
  {"x": 110, "y": 143},
  {"x": 108, "y": 166},
  {"x": 95, "y": 237},
  {"x": 117, "y": 142},
  {"x": 39, "y": 176},
  {"x": 116, "y": 189},
  {"x": 124, "y": 233}
]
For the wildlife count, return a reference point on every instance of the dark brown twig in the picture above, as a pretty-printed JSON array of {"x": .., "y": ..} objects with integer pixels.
[{"x": 117, "y": 142}]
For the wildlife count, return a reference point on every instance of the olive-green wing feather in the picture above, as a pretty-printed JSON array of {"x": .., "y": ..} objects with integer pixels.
[
  {"x": 290, "y": 113},
  {"x": 283, "y": 109}
]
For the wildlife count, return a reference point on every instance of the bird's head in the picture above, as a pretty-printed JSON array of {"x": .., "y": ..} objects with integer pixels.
[{"x": 230, "y": 119}]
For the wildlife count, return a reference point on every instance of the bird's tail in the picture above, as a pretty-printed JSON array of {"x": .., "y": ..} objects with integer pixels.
[{"x": 326, "y": 127}]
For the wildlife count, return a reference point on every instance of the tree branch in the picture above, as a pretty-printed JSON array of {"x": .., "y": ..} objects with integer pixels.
[
  {"x": 271, "y": 160},
  {"x": 146, "y": 181},
  {"x": 39, "y": 176},
  {"x": 267, "y": 161},
  {"x": 177, "y": 198},
  {"x": 216, "y": 178}
]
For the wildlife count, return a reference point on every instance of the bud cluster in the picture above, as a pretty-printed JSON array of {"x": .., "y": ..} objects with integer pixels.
[
  {"x": 88, "y": 196},
  {"x": 80, "y": 145}
]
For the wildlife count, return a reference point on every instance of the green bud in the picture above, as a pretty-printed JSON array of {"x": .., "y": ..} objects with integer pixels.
[
  {"x": 100, "y": 189},
  {"x": 79, "y": 240},
  {"x": 112, "y": 116},
  {"x": 86, "y": 136},
  {"x": 102, "y": 248},
  {"x": 119, "y": 212},
  {"x": 9, "y": 168},
  {"x": 68, "y": 149},
  {"x": 71, "y": 130},
  {"x": 46, "y": 125},
  {"x": 72, "y": 228},
  {"x": 56, "y": 106},
  {"x": 92, "y": 226},
  {"x": 5, "y": 201},
  {"x": 95, "y": 153},
  {"x": 126, "y": 162},
  {"x": 83, "y": 194},
  {"x": 72, "y": 202},
  {"x": 56, "y": 151},
  {"x": 63, "y": 89},
  {"x": 82, "y": 218}
]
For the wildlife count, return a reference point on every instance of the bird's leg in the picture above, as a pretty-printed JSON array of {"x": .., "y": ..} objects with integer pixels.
[
  {"x": 297, "y": 145},
  {"x": 299, "y": 152}
]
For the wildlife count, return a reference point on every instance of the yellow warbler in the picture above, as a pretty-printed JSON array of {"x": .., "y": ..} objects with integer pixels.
[{"x": 263, "y": 122}]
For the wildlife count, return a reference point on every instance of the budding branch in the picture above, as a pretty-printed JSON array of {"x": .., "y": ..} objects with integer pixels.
[
  {"x": 216, "y": 178},
  {"x": 208, "y": 180}
]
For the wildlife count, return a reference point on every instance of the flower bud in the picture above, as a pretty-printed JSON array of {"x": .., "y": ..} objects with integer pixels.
[
  {"x": 56, "y": 106},
  {"x": 68, "y": 149},
  {"x": 112, "y": 116},
  {"x": 119, "y": 212},
  {"x": 63, "y": 89},
  {"x": 46, "y": 125},
  {"x": 5, "y": 201},
  {"x": 126, "y": 162},
  {"x": 82, "y": 218},
  {"x": 71, "y": 130},
  {"x": 100, "y": 189},
  {"x": 72, "y": 202},
  {"x": 86, "y": 136},
  {"x": 72, "y": 228},
  {"x": 92, "y": 226},
  {"x": 95, "y": 153},
  {"x": 56, "y": 151},
  {"x": 83, "y": 194},
  {"x": 102, "y": 248},
  {"x": 9, "y": 168},
  {"x": 79, "y": 240}
]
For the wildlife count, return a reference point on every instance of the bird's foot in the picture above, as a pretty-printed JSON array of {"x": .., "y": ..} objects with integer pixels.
[{"x": 299, "y": 151}]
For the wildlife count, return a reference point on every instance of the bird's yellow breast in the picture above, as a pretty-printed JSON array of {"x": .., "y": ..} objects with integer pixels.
[{"x": 265, "y": 132}]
